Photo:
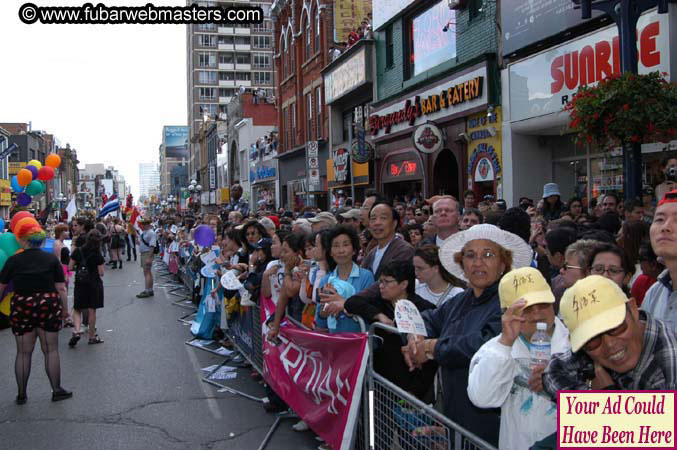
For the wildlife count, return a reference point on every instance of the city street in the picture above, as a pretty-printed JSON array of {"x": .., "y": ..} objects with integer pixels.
[{"x": 141, "y": 389}]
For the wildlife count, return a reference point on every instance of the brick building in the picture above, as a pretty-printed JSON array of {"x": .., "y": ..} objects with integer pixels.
[{"x": 303, "y": 38}]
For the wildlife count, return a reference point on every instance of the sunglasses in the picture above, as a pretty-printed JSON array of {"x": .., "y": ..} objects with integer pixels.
[{"x": 594, "y": 343}]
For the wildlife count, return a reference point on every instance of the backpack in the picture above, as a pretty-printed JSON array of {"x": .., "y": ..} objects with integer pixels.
[
  {"x": 156, "y": 249},
  {"x": 82, "y": 272}
]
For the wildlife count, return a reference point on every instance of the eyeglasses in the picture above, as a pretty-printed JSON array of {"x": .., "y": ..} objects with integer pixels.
[
  {"x": 599, "y": 269},
  {"x": 485, "y": 255},
  {"x": 594, "y": 343},
  {"x": 568, "y": 266},
  {"x": 383, "y": 282}
]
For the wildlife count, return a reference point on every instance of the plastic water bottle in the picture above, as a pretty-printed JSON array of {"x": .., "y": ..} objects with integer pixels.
[{"x": 540, "y": 345}]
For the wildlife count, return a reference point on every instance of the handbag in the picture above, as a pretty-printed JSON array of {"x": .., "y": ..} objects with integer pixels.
[{"x": 82, "y": 272}]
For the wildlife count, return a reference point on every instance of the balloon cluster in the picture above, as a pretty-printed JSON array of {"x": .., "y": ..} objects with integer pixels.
[
  {"x": 21, "y": 222},
  {"x": 29, "y": 182}
]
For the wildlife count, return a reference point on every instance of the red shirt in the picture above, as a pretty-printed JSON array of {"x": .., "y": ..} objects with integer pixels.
[{"x": 640, "y": 286}]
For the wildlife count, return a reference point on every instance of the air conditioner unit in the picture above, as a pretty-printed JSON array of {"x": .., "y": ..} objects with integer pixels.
[{"x": 457, "y": 4}]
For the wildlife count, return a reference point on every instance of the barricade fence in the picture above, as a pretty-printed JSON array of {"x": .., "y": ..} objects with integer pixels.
[{"x": 389, "y": 417}]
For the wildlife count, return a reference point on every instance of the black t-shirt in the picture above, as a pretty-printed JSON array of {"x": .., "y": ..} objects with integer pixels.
[
  {"x": 32, "y": 270},
  {"x": 91, "y": 258}
]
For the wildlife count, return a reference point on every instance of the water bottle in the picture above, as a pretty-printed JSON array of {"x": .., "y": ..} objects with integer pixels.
[{"x": 540, "y": 345}]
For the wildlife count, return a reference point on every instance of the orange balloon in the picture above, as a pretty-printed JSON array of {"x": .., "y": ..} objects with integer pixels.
[
  {"x": 24, "y": 221},
  {"x": 26, "y": 229},
  {"x": 53, "y": 160},
  {"x": 24, "y": 177},
  {"x": 17, "y": 217}
]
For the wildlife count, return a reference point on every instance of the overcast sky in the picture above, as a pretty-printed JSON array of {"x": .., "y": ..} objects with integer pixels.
[{"x": 107, "y": 90}]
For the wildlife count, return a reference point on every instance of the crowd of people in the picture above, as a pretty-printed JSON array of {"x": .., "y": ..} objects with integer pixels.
[{"x": 598, "y": 275}]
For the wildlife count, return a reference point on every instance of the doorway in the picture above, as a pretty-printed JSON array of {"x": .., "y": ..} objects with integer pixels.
[{"x": 445, "y": 174}]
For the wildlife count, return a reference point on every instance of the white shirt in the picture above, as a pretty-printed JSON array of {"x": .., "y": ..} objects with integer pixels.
[
  {"x": 423, "y": 291},
  {"x": 378, "y": 256}
]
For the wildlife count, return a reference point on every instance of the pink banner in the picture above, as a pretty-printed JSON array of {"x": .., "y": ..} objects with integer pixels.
[{"x": 319, "y": 375}]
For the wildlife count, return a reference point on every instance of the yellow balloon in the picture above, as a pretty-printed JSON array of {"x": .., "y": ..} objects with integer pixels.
[{"x": 36, "y": 163}]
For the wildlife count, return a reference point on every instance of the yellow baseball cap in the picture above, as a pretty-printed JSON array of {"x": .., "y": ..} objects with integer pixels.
[
  {"x": 592, "y": 306},
  {"x": 526, "y": 283}
]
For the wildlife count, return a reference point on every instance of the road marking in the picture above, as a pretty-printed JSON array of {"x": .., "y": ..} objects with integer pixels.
[{"x": 213, "y": 406}]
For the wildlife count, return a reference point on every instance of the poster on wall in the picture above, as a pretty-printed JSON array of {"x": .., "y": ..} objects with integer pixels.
[
  {"x": 525, "y": 22},
  {"x": 175, "y": 141},
  {"x": 341, "y": 163}
]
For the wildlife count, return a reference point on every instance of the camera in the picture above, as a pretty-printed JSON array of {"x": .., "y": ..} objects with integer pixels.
[{"x": 671, "y": 174}]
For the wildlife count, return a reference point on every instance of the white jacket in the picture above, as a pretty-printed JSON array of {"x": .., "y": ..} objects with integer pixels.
[{"x": 526, "y": 417}]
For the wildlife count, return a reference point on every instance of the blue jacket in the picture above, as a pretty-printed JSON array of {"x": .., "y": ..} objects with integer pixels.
[
  {"x": 360, "y": 279},
  {"x": 462, "y": 325}
]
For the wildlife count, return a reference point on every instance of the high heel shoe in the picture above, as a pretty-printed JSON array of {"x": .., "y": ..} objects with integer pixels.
[{"x": 21, "y": 399}]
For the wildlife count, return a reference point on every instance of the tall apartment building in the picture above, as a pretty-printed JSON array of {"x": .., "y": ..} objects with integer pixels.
[
  {"x": 224, "y": 60},
  {"x": 149, "y": 179}
]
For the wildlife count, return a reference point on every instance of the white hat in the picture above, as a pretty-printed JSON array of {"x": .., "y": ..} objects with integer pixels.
[
  {"x": 550, "y": 189},
  {"x": 521, "y": 252}
]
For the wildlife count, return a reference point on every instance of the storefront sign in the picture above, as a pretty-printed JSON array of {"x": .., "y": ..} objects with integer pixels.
[
  {"x": 405, "y": 167},
  {"x": 364, "y": 154},
  {"x": 544, "y": 83},
  {"x": 428, "y": 138},
  {"x": 341, "y": 161},
  {"x": 212, "y": 177},
  {"x": 485, "y": 161},
  {"x": 349, "y": 75},
  {"x": 484, "y": 148},
  {"x": 14, "y": 167},
  {"x": 262, "y": 172},
  {"x": 5, "y": 194},
  {"x": 525, "y": 22},
  {"x": 460, "y": 94}
]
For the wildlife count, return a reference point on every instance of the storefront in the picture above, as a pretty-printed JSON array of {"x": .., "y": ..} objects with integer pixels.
[
  {"x": 296, "y": 190},
  {"x": 263, "y": 178},
  {"x": 339, "y": 170},
  {"x": 420, "y": 139},
  {"x": 535, "y": 141}
]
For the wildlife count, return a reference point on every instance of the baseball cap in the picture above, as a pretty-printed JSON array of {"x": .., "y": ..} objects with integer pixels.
[
  {"x": 524, "y": 283},
  {"x": 669, "y": 197},
  {"x": 352, "y": 214},
  {"x": 592, "y": 306},
  {"x": 262, "y": 244},
  {"x": 324, "y": 216}
]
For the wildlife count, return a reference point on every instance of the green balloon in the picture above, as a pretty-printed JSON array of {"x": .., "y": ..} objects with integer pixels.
[
  {"x": 34, "y": 188},
  {"x": 8, "y": 243},
  {"x": 3, "y": 259},
  {"x": 43, "y": 187}
]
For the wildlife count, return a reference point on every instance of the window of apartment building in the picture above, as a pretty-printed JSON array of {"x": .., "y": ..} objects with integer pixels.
[
  {"x": 243, "y": 76},
  {"x": 285, "y": 124},
  {"x": 264, "y": 27},
  {"x": 207, "y": 93},
  {"x": 261, "y": 41},
  {"x": 427, "y": 45},
  {"x": 318, "y": 111},
  {"x": 226, "y": 76},
  {"x": 292, "y": 112},
  {"x": 206, "y": 40},
  {"x": 209, "y": 108},
  {"x": 243, "y": 40},
  {"x": 206, "y": 27},
  {"x": 226, "y": 92},
  {"x": 205, "y": 77},
  {"x": 228, "y": 40},
  {"x": 225, "y": 58},
  {"x": 347, "y": 122},
  {"x": 263, "y": 78},
  {"x": 317, "y": 30},
  {"x": 242, "y": 58},
  {"x": 309, "y": 116},
  {"x": 261, "y": 60},
  {"x": 308, "y": 39},
  {"x": 206, "y": 59}
]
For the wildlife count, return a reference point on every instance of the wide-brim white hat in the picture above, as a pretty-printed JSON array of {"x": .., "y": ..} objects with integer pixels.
[{"x": 521, "y": 252}]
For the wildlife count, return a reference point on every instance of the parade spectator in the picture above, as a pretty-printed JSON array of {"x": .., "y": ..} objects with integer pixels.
[
  {"x": 634, "y": 210},
  {"x": 651, "y": 270},
  {"x": 39, "y": 305},
  {"x": 648, "y": 204},
  {"x": 552, "y": 205},
  {"x": 469, "y": 200},
  {"x": 445, "y": 217},
  {"x": 614, "y": 345},
  {"x": 557, "y": 241},
  {"x": 576, "y": 258},
  {"x": 147, "y": 244},
  {"x": 429, "y": 230},
  {"x": 301, "y": 226},
  {"x": 237, "y": 203},
  {"x": 609, "y": 261},
  {"x": 433, "y": 282},
  {"x": 471, "y": 217},
  {"x": 669, "y": 171},
  {"x": 291, "y": 258},
  {"x": 413, "y": 233},
  {"x": 312, "y": 276},
  {"x": 322, "y": 221},
  {"x": 63, "y": 253},
  {"x": 457, "y": 329},
  {"x": 409, "y": 215},
  {"x": 526, "y": 300},
  {"x": 630, "y": 238},
  {"x": 88, "y": 292},
  {"x": 574, "y": 208},
  {"x": 351, "y": 218},
  {"x": 609, "y": 203},
  {"x": 251, "y": 233}
]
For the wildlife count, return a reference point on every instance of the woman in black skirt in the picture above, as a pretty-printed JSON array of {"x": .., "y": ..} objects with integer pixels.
[
  {"x": 38, "y": 306},
  {"x": 88, "y": 293}
]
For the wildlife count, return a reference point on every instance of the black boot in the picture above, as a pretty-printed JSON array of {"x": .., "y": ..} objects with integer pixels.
[
  {"x": 135, "y": 254},
  {"x": 120, "y": 264}
]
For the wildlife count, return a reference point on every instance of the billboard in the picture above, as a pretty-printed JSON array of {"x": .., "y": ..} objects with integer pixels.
[
  {"x": 348, "y": 16},
  {"x": 384, "y": 10},
  {"x": 175, "y": 141},
  {"x": 106, "y": 187},
  {"x": 525, "y": 22}
]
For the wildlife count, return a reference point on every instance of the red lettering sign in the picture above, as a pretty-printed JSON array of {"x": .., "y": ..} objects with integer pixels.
[
  {"x": 402, "y": 168},
  {"x": 590, "y": 65}
]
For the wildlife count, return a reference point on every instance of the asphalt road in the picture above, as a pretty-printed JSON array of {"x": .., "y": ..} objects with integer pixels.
[{"x": 140, "y": 389}]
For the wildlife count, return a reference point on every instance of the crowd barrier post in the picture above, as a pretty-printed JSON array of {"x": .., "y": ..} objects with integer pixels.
[{"x": 395, "y": 415}]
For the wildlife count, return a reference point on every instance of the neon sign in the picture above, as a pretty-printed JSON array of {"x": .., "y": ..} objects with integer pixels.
[{"x": 402, "y": 168}]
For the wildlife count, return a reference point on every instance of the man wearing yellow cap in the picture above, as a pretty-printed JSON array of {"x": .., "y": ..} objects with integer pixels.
[
  {"x": 614, "y": 345},
  {"x": 526, "y": 418}
]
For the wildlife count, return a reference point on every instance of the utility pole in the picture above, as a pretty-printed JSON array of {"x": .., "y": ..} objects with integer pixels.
[{"x": 625, "y": 14}]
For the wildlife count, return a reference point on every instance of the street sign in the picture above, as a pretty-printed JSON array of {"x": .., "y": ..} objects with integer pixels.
[
  {"x": 312, "y": 149},
  {"x": 313, "y": 162}
]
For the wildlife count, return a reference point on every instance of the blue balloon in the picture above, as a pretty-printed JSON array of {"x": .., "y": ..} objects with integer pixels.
[
  {"x": 2, "y": 226},
  {"x": 15, "y": 185}
]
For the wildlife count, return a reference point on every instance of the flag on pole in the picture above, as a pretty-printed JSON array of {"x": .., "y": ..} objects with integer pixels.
[
  {"x": 71, "y": 209},
  {"x": 112, "y": 205}
]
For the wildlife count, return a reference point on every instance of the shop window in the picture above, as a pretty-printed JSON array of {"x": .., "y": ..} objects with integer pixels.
[
  {"x": 390, "y": 58},
  {"x": 427, "y": 44}
]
